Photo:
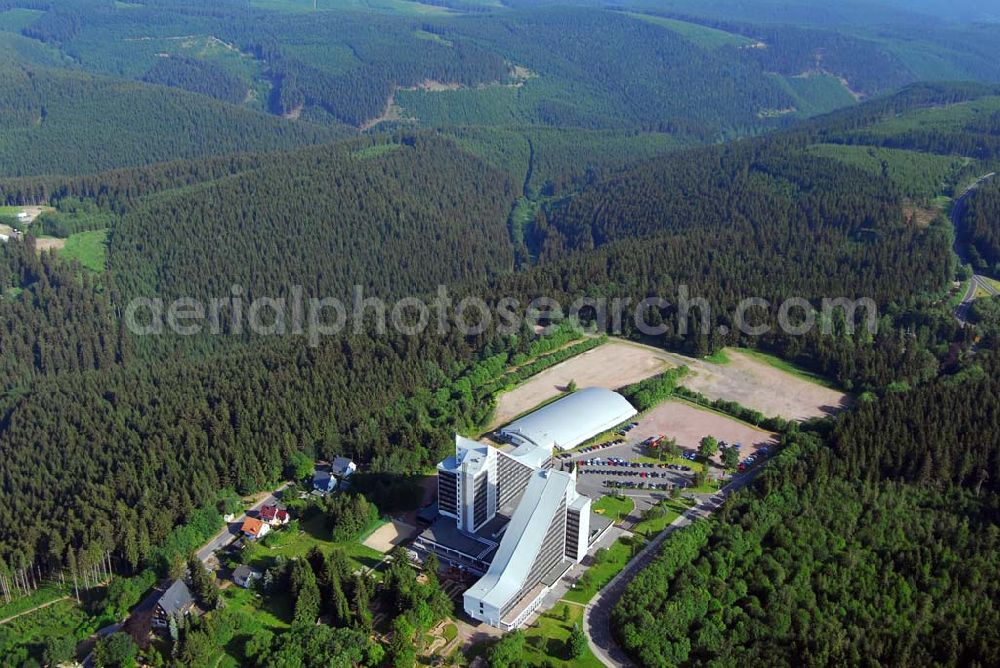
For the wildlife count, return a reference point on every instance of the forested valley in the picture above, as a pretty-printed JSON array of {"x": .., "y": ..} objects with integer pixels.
[
  {"x": 513, "y": 152},
  {"x": 767, "y": 220},
  {"x": 61, "y": 122},
  {"x": 868, "y": 543},
  {"x": 978, "y": 228}
]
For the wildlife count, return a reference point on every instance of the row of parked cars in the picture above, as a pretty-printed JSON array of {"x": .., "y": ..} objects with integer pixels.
[
  {"x": 592, "y": 448},
  {"x": 626, "y": 472},
  {"x": 627, "y": 463},
  {"x": 627, "y": 428},
  {"x": 752, "y": 459},
  {"x": 641, "y": 484}
]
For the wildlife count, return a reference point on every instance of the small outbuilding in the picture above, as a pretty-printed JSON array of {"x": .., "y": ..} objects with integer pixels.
[
  {"x": 244, "y": 576},
  {"x": 342, "y": 467}
]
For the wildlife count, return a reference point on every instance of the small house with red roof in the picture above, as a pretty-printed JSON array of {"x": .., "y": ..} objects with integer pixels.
[
  {"x": 254, "y": 528},
  {"x": 274, "y": 515}
]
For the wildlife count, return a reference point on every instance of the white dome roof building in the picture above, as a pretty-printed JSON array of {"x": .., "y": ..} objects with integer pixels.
[{"x": 570, "y": 421}]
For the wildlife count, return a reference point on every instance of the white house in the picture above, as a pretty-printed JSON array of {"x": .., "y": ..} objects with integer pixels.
[
  {"x": 254, "y": 528},
  {"x": 244, "y": 576},
  {"x": 275, "y": 515},
  {"x": 24, "y": 217},
  {"x": 342, "y": 467},
  {"x": 324, "y": 482}
]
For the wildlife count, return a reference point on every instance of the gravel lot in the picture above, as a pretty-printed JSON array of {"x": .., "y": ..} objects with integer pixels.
[
  {"x": 613, "y": 365},
  {"x": 758, "y": 385}
]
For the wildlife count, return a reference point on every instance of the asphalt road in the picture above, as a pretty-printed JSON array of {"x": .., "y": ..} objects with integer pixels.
[
  {"x": 597, "y": 614},
  {"x": 232, "y": 530},
  {"x": 977, "y": 282}
]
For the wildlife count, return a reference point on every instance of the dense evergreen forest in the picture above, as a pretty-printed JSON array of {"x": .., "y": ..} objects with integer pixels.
[
  {"x": 765, "y": 218},
  {"x": 52, "y": 319},
  {"x": 60, "y": 122},
  {"x": 530, "y": 149},
  {"x": 198, "y": 76},
  {"x": 580, "y": 66},
  {"x": 326, "y": 219},
  {"x": 873, "y": 542},
  {"x": 978, "y": 227}
]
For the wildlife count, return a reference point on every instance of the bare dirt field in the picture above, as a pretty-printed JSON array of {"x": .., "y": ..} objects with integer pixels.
[
  {"x": 689, "y": 424},
  {"x": 613, "y": 365},
  {"x": 756, "y": 384},
  {"x": 389, "y": 535},
  {"x": 49, "y": 243}
]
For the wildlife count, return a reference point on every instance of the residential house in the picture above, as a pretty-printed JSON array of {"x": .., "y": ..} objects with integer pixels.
[
  {"x": 176, "y": 601},
  {"x": 275, "y": 515},
  {"x": 244, "y": 576},
  {"x": 254, "y": 528},
  {"x": 24, "y": 217},
  {"x": 343, "y": 467},
  {"x": 324, "y": 482}
]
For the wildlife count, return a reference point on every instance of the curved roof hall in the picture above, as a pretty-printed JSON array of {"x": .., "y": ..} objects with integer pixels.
[{"x": 571, "y": 420}]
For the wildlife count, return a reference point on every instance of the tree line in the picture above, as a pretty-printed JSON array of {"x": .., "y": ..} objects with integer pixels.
[{"x": 844, "y": 549}]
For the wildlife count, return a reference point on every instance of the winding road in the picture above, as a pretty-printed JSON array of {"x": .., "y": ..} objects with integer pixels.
[
  {"x": 597, "y": 614},
  {"x": 232, "y": 530},
  {"x": 977, "y": 282}
]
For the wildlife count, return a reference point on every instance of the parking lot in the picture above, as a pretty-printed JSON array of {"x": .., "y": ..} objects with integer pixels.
[{"x": 615, "y": 467}]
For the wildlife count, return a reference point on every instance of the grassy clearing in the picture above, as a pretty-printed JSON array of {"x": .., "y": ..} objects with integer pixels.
[
  {"x": 88, "y": 248},
  {"x": 432, "y": 37},
  {"x": 546, "y": 639},
  {"x": 608, "y": 562},
  {"x": 709, "y": 38},
  {"x": 272, "y": 613},
  {"x": 312, "y": 533},
  {"x": 16, "y": 20},
  {"x": 947, "y": 117},
  {"x": 956, "y": 297},
  {"x": 22, "y": 635},
  {"x": 789, "y": 368},
  {"x": 657, "y": 522},
  {"x": 375, "y": 151},
  {"x": 718, "y": 357},
  {"x": 919, "y": 175},
  {"x": 40, "y": 596},
  {"x": 816, "y": 94},
  {"x": 614, "y": 507},
  {"x": 521, "y": 216}
]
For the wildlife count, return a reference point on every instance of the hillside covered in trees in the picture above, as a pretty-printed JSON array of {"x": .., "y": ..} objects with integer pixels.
[
  {"x": 978, "y": 227},
  {"x": 394, "y": 218},
  {"x": 872, "y": 542},
  {"x": 509, "y": 64},
  {"x": 767, "y": 219},
  {"x": 61, "y": 122},
  {"x": 531, "y": 149}
]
